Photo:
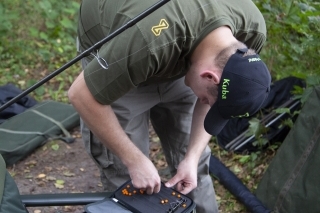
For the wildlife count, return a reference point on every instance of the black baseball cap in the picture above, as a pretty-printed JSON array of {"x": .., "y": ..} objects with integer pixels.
[{"x": 244, "y": 86}]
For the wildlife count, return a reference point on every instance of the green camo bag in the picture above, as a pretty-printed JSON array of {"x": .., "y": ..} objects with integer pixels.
[
  {"x": 292, "y": 181},
  {"x": 10, "y": 200},
  {"x": 23, "y": 133}
]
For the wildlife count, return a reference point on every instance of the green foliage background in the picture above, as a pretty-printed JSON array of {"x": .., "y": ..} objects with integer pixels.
[
  {"x": 38, "y": 37},
  {"x": 293, "y": 41}
]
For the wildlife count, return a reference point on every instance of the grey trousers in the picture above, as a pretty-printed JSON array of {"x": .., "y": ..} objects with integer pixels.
[{"x": 169, "y": 107}]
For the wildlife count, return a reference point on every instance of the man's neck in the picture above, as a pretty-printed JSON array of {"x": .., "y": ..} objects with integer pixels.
[{"x": 212, "y": 44}]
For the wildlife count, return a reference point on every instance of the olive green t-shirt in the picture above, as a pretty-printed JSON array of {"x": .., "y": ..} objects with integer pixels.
[{"x": 157, "y": 48}]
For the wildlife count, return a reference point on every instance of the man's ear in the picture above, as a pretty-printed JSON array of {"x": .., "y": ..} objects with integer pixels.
[{"x": 210, "y": 75}]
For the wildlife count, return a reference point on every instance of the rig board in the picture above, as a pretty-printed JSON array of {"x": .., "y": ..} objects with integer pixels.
[{"x": 167, "y": 200}]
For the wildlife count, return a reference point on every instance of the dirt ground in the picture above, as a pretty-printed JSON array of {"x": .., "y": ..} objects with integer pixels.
[{"x": 58, "y": 167}]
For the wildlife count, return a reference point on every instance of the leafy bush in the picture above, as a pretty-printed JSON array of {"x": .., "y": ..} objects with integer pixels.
[
  {"x": 36, "y": 38},
  {"x": 57, "y": 33},
  {"x": 293, "y": 45}
]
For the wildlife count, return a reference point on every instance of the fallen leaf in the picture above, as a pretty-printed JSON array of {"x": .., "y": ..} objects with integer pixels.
[
  {"x": 31, "y": 163},
  {"x": 58, "y": 186},
  {"x": 236, "y": 208},
  {"x": 236, "y": 169},
  {"x": 155, "y": 139},
  {"x": 12, "y": 173},
  {"x": 41, "y": 176},
  {"x": 51, "y": 178},
  {"x": 28, "y": 176},
  {"x": 68, "y": 174},
  {"x": 60, "y": 182},
  {"x": 55, "y": 147},
  {"x": 21, "y": 83}
]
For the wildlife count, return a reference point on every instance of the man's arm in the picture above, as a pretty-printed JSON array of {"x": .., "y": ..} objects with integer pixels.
[
  {"x": 102, "y": 121},
  {"x": 186, "y": 177}
]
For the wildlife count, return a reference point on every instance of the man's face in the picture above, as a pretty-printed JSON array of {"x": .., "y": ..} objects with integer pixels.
[{"x": 208, "y": 95}]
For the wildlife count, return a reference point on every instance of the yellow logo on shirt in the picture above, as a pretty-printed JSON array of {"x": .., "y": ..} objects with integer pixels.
[{"x": 162, "y": 25}]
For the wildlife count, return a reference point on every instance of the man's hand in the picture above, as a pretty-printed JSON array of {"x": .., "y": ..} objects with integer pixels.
[
  {"x": 144, "y": 175},
  {"x": 186, "y": 178}
]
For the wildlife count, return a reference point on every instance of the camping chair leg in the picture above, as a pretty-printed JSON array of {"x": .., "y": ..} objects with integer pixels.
[{"x": 63, "y": 199}]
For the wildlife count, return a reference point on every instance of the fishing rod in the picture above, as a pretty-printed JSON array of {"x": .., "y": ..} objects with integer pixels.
[
  {"x": 264, "y": 120},
  {"x": 86, "y": 53},
  {"x": 270, "y": 119}
]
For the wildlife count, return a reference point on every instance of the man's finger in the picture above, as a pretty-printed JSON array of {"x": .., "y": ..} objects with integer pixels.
[
  {"x": 181, "y": 186},
  {"x": 173, "y": 181},
  {"x": 184, "y": 187},
  {"x": 149, "y": 190},
  {"x": 157, "y": 188}
]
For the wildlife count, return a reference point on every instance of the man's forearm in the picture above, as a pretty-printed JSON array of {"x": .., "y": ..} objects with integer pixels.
[
  {"x": 186, "y": 180},
  {"x": 102, "y": 121},
  {"x": 199, "y": 138}
]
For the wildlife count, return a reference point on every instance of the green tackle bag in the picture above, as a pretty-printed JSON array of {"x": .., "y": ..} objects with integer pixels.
[
  {"x": 9, "y": 194},
  {"x": 22, "y": 134},
  {"x": 291, "y": 183}
]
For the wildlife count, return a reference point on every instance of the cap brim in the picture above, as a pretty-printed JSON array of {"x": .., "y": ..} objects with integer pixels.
[{"x": 214, "y": 122}]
